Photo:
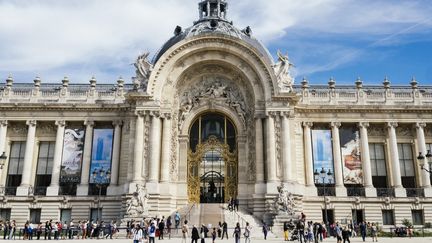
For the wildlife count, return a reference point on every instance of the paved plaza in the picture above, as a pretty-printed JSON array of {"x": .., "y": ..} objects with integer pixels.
[{"x": 175, "y": 240}]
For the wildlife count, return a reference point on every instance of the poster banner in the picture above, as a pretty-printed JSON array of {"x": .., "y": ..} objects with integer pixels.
[
  {"x": 351, "y": 157},
  {"x": 323, "y": 153},
  {"x": 101, "y": 155},
  {"x": 73, "y": 146}
]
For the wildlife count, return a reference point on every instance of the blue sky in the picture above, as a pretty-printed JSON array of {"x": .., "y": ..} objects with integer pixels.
[{"x": 343, "y": 39}]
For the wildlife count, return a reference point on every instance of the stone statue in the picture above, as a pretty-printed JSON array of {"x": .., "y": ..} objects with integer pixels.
[
  {"x": 285, "y": 201},
  {"x": 137, "y": 204},
  {"x": 282, "y": 72},
  {"x": 143, "y": 69}
]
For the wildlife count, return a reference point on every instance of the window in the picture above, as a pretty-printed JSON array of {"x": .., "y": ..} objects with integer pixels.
[
  {"x": 388, "y": 217},
  {"x": 407, "y": 165},
  {"x": 5, "y": 214},
  {"x": 417, "y": 217},
  {"x": 65, "y": 215},
  {"x": 16, "y": 164},
  {"x": 329, "y": 213},
  {"x": 35, "y": 216},
  {"x": 378, "y": 165},
  {"x": 94, "y": 214},
  {"x": 45, "y": 164}
]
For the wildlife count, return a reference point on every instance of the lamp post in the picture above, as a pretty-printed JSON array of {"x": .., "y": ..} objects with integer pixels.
[
  {"x": 425, "y": 161},
  {"x": 323, "y": 174},
  {"x": 3, "y": 159},
  {"x": 100, "y": 179}
]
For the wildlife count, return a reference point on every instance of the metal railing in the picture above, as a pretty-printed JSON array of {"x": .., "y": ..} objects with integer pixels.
[
  {"x": 10, "y": 190},
  {"x": 385, "y": 192},
  {"x": 40, "y": 190},
  {"x": 415, "y": 192},
  {"x": 356, "y": 191},
  {"x": 326, "y": 191},
  {"x": 188, "y": 214},
  {"x": 67, "y": 190}
]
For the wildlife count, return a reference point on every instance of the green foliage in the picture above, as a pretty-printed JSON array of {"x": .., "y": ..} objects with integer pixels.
[
  {"x": 428, "y": 225},
  {"x": 406, "y": 223}
]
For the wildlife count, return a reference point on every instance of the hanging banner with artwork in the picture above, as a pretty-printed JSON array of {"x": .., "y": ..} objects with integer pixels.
[
  {"x": 101, "y": 155},
  {"x": 351, "y": 157},
  {"x": 73, "y": 146},
  {"x": 323, "y": 154}
]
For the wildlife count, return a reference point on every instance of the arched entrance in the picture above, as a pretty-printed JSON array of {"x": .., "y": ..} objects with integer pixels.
[{"x": 212, "y": 159}]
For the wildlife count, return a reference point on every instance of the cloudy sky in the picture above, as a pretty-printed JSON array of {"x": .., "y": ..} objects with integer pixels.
[{"x": 324, "y": 38}]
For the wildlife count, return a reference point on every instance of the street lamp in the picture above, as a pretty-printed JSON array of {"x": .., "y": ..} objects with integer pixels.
[
  {"x": 3, "y": 159},
  {"x": 323, "y": 174},
  {"x": 425, "y": 161},
  {"x": 100, "y": 179}
]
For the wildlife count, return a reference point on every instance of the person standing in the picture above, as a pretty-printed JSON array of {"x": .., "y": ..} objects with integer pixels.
[
  {"x": 168, "y": 226},
  {"x": 346, "y": 235},
  {"x": 363, "y": 230},
  {"x": 374, "y": 232},
  {"x": 214, "y": 234},
  {"x": 12, "y": 229},
  {"x": 195, "y": 235},
  {"x": 265, "y": 230},
  {"x": 300, "y": 229},
  {"x": 161, "y": 227},
  {"x": 151, "y": 232},
  {"x": 6, "y": 230},
  {"x": 224, "y": 230},
  {"x": 203, "y": 233},
  {"x": 185, "y": 231},
  {"x": 247, "y": 233},
  {"x": 237, "y": 232},
  {"x": 137, "y": 234},
  {"x": 285, "y": 229},
  {"x": 338, "y": 231},
  {"x": 236, "y": 204},
  {"x": 38, "y": 231}
]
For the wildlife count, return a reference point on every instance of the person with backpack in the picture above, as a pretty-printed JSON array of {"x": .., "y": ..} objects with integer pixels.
[
  {"x": 152, "y": 232},
  {"x": 185, "y": 231}
]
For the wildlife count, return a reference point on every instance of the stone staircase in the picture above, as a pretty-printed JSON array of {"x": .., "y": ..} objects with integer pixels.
[{"x": 211, "y": 213}]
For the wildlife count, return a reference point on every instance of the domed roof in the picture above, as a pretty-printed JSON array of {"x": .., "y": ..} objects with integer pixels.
[{"x": 213, "y": 24}]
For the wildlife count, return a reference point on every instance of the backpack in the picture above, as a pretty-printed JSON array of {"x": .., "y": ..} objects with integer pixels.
[{"x": 152, "y": 229}]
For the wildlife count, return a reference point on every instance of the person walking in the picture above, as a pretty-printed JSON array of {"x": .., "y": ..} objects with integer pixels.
[
  {"x": 168, "y": 226},
  {"x": 224, "y": 230},
  {"x": 338, "y": 231},
  {"x": 161, "y": 227},
  {"x": 300, "y": 229},
  {"x": 203, "y": 233},
  {"x": 137, "y": 234},
  {"x": 213, "y": 234},
  {"x": 177, "y": 219},
  {"x": 374, "y": 232},
  {"x": 346, "y": 235},
  {"x": 12, "y": 229},
  {"x": 237, "y": 232},
  {"x": 285, "y": 229},
  {"x": 247, "y": 233},
  {"x": 363, "y": 230},
  {"x": 195, "y": 235},
  {"x": 185, "y": 231},
  {"x": 38, "y": 231}
]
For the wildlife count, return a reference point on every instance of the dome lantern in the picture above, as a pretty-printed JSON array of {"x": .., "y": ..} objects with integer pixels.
[{"x": 212, "y": 9}]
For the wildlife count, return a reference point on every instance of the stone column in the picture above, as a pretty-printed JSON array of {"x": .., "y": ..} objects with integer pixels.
[
  {"x": 365, "y": 155},
  {"x": 155, "y": 146},
  {"x": 166, "y": 148},
  {"x": 115, "y": 156},
  {"x": 259, "y": 146},
  {"x": 421, "y": 145},
  {"x": 23, "y": 189},
  {"x": 337, "y": 157},
  {"x": 82, "y": 189},
  {"x": 138, "y": 148},
  {"x": 271, "y": 148},
  {"x": 394, "y": 160},
  {"x": 308, "y": 157},
  {"x": 286, "y": 148},
  {"x": 3, "y": 139},
  {"x": 53, "y": 189}
]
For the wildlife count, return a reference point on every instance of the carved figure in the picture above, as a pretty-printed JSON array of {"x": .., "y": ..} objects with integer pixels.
[
  {"x": 282, "y": 71},
  {"x": 285, "y": 201},
  {"x": 137, "y": 204},
  {"x": 144, "y": 68}
]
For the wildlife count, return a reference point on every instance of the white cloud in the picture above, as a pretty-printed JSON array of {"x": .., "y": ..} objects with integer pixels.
[{"x": 53, "y": 38}]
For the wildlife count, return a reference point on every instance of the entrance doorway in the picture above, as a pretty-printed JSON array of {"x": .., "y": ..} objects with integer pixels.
[
  {"x": 357, "y": 216},
  {"x": 212, "y": 160}
]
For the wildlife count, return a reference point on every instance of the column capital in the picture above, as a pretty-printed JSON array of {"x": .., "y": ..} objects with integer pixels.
[
  {"x": 363, "y": 125},
  {"x": 420, "y": 125},
  {"x": 31, "y": 123},
  {"x": 3, "y": 123},
  {"x": 140, "y": 113},
  {"x": 117, "y": 123},
  {"x": 156, "y": 114},
  {"x": 392, "y": 124},
  {"x": 335, "y": 124},
  {"x": 287, "y": 114},
  {"x": 307, "y": 124},
  {"x": 166, "y": 115},
  {"x": 89, "y": 123},
  {"x": 259, "y": 116},
  {"x": 271, "y": 114},
  {"x": 60, "y": 123}
]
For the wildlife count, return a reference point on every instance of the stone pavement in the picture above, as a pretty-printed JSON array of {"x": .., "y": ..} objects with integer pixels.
[{"x": 231, "y": 240}]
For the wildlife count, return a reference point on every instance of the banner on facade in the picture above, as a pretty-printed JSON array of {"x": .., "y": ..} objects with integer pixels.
[
  {"x": 101, "y": 155},
  {"x": 73, "y": 146},
  {"x": 351, "y": 156},
  {"x": 323, "y": 153}
]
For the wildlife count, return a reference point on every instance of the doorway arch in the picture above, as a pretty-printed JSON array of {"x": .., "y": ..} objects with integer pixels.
[{"x": 212, "y": 159}]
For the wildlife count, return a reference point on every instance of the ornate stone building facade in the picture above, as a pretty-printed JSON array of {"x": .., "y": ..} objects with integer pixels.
[{"x": 212, "y": 116}]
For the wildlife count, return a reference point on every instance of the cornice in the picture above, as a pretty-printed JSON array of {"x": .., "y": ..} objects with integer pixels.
[{"x": 374, "y": 109}]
